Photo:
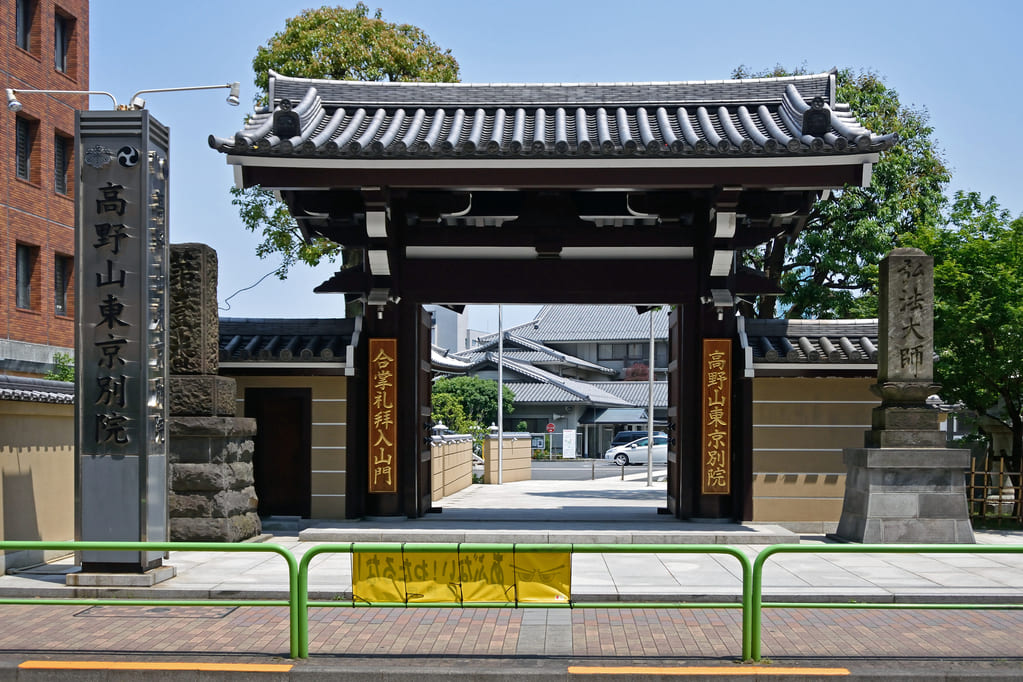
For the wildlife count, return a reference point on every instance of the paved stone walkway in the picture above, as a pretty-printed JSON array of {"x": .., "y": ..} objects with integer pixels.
[{"x": 608, "y": 635}]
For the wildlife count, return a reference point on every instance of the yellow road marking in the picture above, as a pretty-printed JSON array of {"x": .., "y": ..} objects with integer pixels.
[
  {"x": 703, "y": 670},
  {"x": 139, "y": 665}
]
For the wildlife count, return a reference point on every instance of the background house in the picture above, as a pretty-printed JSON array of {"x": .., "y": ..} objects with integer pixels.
[{"x": 581, "y": 367}]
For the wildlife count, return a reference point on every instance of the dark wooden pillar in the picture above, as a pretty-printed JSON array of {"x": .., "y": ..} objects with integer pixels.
[
  {"x": 405, "y": 322},
  {"x": 698, "y": 322}
]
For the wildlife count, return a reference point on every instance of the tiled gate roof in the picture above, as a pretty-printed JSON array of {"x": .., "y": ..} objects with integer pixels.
[{"x": 795, "y": 115}]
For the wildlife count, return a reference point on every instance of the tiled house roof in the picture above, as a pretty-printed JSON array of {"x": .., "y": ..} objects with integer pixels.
[
  {"x": 791, "y": 116},
  {"x": 30, "y": 389},
  {"x": 521, "y": 349},
  {"x": 594, "y": 323},
  {"x": 809, "y": 342},
  {"x": 285, "y": 340}
]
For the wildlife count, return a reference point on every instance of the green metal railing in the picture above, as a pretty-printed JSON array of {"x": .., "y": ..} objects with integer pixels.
[
  {"x": 246, "y": 547},
  {"x": 353, "y": 548},
  {"x": 758, "y": 604},
  {"x": 298, "y": 602}
]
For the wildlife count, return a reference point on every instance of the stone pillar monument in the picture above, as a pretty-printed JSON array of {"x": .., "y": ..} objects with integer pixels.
[
  {"x": 905, "y": 485},
  {"x": 212, "y": 496}
]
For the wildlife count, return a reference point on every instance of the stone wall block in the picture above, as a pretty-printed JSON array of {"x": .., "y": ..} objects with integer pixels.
[
  {"x": 893, "y": 505},
  {"x": 232, "y": 502},
  {"x": 241, "y": 475},
  {"x": 204, "y": 396},
  {"x": 188, "y": 506},
  {"x": 943, "y": 506},
  {"x": 240, "y": 451},
  {"x": 198, "y": 477}
]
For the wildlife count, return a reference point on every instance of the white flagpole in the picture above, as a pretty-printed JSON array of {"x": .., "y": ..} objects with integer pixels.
[{"x": 500, "y": 396}]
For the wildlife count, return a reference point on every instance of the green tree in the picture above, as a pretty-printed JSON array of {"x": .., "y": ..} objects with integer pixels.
[
  {"x": 477, "y": 397},
  {"x": 447, "y": 410},
  {"x": 342, "y": 44},
  {"x": 63, "y": 368},
  {"x": 830, "y": 269},
  {"x": 978, "y": 310}
]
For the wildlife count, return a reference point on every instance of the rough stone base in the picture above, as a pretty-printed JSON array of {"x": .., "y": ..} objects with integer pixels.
[
  {"x": 231, "y": 529},
  {"x": 905, "y": 495},
  {"x": 212, "y": 496}
]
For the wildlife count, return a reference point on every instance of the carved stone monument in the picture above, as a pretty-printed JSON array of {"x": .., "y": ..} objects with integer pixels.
[
  {"x": 212, "y": 496},
  {"x": 905, "y": 485}
]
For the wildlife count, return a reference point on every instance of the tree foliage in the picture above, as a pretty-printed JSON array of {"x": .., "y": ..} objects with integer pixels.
[
  {"x": 477, "y": 398},
  {"x": 342, "y": 44},
  {"x": 63, "y": 368},
  {"x": 978, "y": 310},
  {"x": 348, "y": 44},
  {"x": 830, "y": 270}
]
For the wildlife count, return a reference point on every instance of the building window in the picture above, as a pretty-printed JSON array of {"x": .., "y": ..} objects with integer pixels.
[
  {"x": 25, "y": 10},
  {"x": 62, "y": 268},
  {"x": 61, "y": 162},
  {"x": 26, "y": 262},
  {"x": 610, "y": 351},
  {"x": 638, "y": 350},
  {"x": 62, "y": 29},
  {"x": 23, "y": 148}
]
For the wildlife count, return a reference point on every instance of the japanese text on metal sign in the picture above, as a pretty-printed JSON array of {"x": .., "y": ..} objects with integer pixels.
[
  {"x": 716, "y": 418},
  {"x": 122, "y": 296},
  {"x": 914, "y": 333},
  {"x": 383, "y": 409}
]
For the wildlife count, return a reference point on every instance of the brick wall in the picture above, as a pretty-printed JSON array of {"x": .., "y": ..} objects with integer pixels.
[{"x": 33, "y": 212}]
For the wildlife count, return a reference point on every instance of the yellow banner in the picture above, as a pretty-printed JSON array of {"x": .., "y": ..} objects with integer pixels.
[{"x": 432, "y": 577}]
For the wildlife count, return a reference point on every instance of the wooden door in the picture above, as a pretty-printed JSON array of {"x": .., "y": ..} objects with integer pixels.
[{"x": 282, "y": 461}]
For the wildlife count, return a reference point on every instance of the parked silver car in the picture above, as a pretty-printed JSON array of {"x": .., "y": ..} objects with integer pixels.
[{"x": 635, "y": 452}]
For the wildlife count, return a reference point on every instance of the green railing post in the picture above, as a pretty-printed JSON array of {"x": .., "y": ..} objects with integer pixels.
[
  {"x": 88, "y": 545},
  {"x": 764, "y": 555},
  {"x": 745, "y": 564}
]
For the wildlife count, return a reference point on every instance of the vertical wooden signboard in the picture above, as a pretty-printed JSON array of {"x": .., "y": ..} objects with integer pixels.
[
  {"x": 383, "y": 412},
  {"x": 716, "y": 416}
]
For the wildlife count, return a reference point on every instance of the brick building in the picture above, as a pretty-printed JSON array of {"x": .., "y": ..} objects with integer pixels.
[{"x": 44, "y": 45}]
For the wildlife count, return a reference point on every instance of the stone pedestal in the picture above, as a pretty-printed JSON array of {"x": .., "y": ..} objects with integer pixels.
[
  {"x": 905, "y": 485},
  {"x": 911, "y": 495},
  {"x": 212, "y": 495}
]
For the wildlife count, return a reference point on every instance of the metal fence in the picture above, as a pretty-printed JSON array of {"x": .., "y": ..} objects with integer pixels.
[{"x": 298, "y": 602}]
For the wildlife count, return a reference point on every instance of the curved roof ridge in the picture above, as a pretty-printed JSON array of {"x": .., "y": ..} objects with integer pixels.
[
  {"x": 478, "y": 84},
  {"x": 579, "y": 389}
]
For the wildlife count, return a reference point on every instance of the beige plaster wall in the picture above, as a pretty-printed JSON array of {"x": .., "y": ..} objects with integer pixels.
[
  {"x": 329, "y": 435},
  {"x": 451, "y": 464},
  {"x": 517, "y": 456},
  {"x": 800, "y": 427},
  {"x": 37, "y": 477}
]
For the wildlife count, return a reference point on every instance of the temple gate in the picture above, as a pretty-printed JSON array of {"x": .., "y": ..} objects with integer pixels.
[{"x": 632, "y": 193}]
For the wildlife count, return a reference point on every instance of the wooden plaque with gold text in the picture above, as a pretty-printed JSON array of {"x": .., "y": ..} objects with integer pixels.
[
  {"x": 383, "y": 413},
  {"x": 716, "y": 417}
]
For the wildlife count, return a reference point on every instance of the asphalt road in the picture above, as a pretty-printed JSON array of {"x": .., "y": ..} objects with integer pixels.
[{"x": 582, "y": 470}]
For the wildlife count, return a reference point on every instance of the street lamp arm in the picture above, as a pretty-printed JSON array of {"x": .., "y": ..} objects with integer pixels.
[
  {"x": 232, "y": 98},
  {"x": 14, "y": 105}
]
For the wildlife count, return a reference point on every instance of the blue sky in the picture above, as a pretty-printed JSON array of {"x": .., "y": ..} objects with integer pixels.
[{"x": 959, "y": 61}]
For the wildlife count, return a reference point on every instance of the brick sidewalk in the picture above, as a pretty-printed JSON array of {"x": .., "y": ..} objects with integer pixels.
[{"x": 614, "y": 636}]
